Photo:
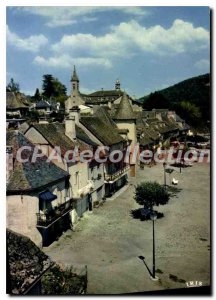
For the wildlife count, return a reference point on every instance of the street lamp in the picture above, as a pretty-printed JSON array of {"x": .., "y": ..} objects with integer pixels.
[
  {"x": 153, "y": 217},
  {"x": 164, "y": 165}
]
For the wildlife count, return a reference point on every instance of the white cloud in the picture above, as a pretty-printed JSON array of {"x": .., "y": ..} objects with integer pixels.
[
  {"x": 124, "y": 40},
  {"x": 32, "y": 43},
  {"x": 66, "y": 61},
  {"x": 64, "y": 16},
  {"x": 128, "y": 38},
  {"x": 203, "y": 65}
]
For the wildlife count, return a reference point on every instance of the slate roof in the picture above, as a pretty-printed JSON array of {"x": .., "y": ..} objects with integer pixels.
[
  {"x": 170, "y": 123},
  {"x": 15, "y": 101},
  {"x": 102, "y": 112},
  {"x": 104, "y": 131},
  {"x": 108, "y": 93},
  {"x": 102, "y": 97},
  {"x": 125, "y": 110},
  {"x": 82, "y": 136},
  {"x": 144, "y": 141},
  {"x": 54, "y": 133},
  {"x": 28, "y": 176},
  {"x": 42, "y": 104},
  {"x": 26, "y": 263}
]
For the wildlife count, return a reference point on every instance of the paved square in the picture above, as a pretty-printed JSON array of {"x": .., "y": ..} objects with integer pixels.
[{"x": 109, "y": 240}]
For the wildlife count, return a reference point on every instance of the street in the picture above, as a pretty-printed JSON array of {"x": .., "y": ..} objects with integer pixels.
[{"x": 109, "y": 240}]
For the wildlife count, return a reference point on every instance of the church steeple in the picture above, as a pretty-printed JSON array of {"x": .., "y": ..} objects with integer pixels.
[
  {"x": 117, "y": 85},
  {"x": 75, "y": 81}
]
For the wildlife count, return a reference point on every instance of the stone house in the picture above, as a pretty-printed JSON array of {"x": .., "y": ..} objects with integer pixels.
[
  {"x": 101, "y": 128},
  {"x": 38, "y": 193},
  {"x": 16, "y": 105},
  {"x": 86, "y": 184}
]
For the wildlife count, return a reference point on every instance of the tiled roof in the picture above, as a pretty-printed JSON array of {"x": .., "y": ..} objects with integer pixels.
[
  {"x": 15, "y": 101},
  {"x": 28, "y": 176},
  {"x": 145, "y": 141},
  {"x": 125, "y": 110},
  {"x": 26, "y": 263},
  {"x": 42, "y": 104},
  {"x": 102, "y": 113},
  {"x": 54, "y": 133},
  {"x": 105, "y": 132},
  {"x": 82, "y": 136},
  {"x": 102, "y": 93}
]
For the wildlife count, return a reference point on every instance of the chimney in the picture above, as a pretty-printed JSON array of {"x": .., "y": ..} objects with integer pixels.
[
  {"x": 75, "y": 112},
  {"x": 9, "y": 162},
  {"x": 70, "y": 129},
  {"x": 43, "y": 120}
]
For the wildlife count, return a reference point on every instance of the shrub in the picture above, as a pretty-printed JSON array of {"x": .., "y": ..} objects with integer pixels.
[{"x": 58, "y": 281}]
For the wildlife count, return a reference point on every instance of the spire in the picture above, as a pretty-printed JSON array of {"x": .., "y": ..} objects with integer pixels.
[
  {"x": 74, "y": 77},
  {"x": 125, "y": 110},
  {"x": 117, "y": 85}
]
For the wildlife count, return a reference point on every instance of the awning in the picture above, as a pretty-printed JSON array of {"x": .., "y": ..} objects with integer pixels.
[{"x": 47, "y": 196}]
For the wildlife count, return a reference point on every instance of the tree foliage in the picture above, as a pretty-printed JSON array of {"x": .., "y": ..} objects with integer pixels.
[
  {"x": 37, "y": 96},
  {"x": 155, "y": 100},
  {"x": 63, "y": 282},
  {"x": 150, "y": 193},
  {"x": 53, "y": 88},
  {"x": 13, "y": 86},
  {"x": 195, "y": 91},
  {"x": 190, "y": 112}
]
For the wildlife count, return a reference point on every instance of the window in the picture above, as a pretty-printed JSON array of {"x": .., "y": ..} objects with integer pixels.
[{"x": 77, "y": 178}]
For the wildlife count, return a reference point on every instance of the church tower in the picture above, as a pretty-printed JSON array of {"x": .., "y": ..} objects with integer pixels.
[
  {"x": 117, "y": 85},
  {"x": 75, "y": 81},
  {"x": 126, "y": 119},
  {"x": 75, "y": 99}
]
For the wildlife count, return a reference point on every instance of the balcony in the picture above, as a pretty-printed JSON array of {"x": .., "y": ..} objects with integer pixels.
[
  {"x": 110, "y": 178},
  {"x": 88, "y": 188},
  {"x": 46, "y": 219}
]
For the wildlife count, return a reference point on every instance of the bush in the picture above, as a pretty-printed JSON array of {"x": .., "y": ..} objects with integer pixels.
[
  {"x": 58, "y": 281},
  {"x": 150, "y": 193}
]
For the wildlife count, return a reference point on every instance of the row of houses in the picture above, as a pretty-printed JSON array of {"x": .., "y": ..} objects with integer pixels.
[{"x": 46, "y": 197}]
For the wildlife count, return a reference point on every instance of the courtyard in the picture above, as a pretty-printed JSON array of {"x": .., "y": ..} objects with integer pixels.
[{"x": 109, "y": 240}]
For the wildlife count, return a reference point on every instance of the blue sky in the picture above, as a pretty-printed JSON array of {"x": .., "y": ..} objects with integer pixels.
[{"x": 147, "y": 48}]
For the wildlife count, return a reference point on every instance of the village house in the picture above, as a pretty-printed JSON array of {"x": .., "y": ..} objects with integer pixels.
[
  {"x": 38, "y": 193},
  {"x": 105, "y": 132},
  {"x": 16, "y": 105},
  {"x": 87, "y": 178}
]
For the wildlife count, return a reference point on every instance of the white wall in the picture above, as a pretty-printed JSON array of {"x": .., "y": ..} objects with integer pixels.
[
  {"x": 22, "y": 210},
  {"x": 21, "y": 216}
]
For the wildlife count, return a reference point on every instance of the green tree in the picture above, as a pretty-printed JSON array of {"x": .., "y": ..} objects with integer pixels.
[
  {"x": 37, "y": 95},
  {"x": 150, "y": 193},
  {"x": 12, "y": 86},
  {"x": 155, "y": 100},
  {"x": 53, "y": 88},
  {"x": 189, "y": 112}
]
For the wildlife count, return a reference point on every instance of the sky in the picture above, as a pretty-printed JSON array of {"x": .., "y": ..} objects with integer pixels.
[{"x": 146, "y": 48}]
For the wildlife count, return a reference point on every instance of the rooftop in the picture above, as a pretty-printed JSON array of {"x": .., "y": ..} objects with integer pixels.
[
  {"x": 26, "y": 263},
  {"x": 124, "y": 110},
  {"x": 15, "y": 101},
  {"x": 104, "y": 130},
  {"x": 28, "y": 176}
]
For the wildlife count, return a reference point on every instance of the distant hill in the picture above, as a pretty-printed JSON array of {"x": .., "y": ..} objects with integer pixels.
[{"x": 195, "y": 90}]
